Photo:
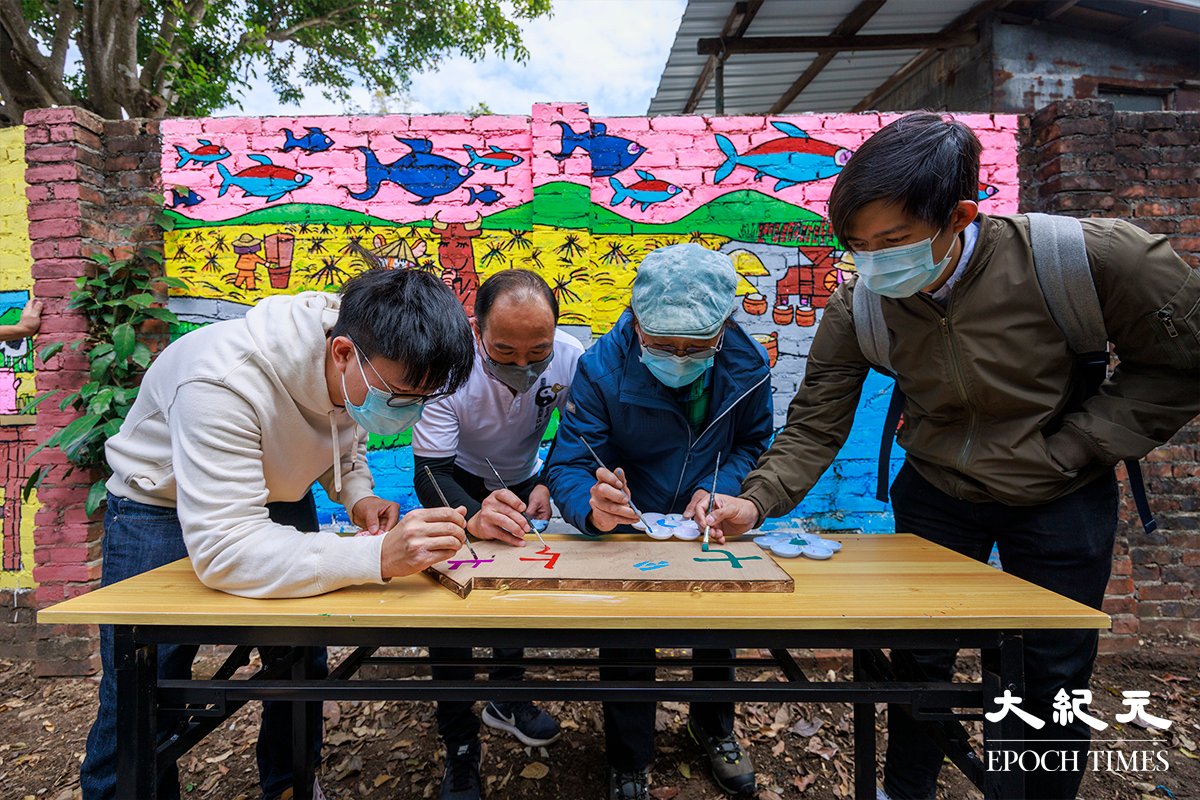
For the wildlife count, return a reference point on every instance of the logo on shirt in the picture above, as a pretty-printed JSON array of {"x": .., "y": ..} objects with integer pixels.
[{"x": 545, "y": 398}]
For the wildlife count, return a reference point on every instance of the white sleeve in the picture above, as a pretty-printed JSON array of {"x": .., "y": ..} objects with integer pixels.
[
  {"x": 221, "y": 501},
  {"x": 436, "y": 434}
]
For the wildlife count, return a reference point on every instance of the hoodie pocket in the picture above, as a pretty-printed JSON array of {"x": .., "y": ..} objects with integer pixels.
[{"x": 1178, "y": 325}]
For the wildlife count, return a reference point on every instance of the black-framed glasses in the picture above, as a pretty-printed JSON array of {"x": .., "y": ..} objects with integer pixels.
[
  {"x": 698, "y": 353},
  {"x": 396, "y": 399}
]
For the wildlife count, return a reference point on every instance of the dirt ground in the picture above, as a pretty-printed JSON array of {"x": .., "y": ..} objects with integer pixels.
[{"x": 390, "y": 750}]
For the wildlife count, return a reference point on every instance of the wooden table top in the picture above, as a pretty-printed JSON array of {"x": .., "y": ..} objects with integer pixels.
[{"x": 876, "y": 582}]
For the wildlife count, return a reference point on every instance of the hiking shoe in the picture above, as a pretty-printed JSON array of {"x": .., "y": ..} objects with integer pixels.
[
  {"x": 731, "y": 767},
  {"x": 628, "y": 785},
  {"x": 530, "y": 724},
  {"x": 461, "y": 778}
]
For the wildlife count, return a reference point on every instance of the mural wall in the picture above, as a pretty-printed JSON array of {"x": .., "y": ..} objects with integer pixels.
[
  {"x": 275, "y": 205},
  {"x": 16, "y": 367}
]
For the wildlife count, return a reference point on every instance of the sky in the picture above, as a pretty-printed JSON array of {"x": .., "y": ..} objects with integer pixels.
[{"x": 607, "y": 53}]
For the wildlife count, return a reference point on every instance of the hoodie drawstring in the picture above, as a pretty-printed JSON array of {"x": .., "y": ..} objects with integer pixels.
[{"x": 337, "y": 454}]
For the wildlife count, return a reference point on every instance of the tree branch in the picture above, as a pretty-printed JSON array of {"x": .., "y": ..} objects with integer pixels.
[
  {"x": 63, "y": 28},
  {"x": 287, "y": 33}
]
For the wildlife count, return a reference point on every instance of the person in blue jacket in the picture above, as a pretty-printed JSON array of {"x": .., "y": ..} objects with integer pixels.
[{"x": 675, "y": 384}]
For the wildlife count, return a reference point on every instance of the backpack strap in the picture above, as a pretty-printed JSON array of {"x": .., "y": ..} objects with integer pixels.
[
  {"x": 1061, "y": 263},
  {"x": 872, "y": 333}
]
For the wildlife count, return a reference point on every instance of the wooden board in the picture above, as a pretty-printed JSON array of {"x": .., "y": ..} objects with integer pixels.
[{"x": 639, "y": 565}]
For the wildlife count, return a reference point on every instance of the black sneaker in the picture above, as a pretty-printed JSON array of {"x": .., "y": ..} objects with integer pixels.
[
  {"x": 530, "y": 724},
  {"x": 628, "y": 785},
  {"x": 731, "y": 767},
  {"x": 461, "y": 779}
]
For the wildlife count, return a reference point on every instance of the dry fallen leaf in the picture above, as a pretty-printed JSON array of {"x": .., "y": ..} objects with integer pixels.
[
  {"x": 535, "y": 770},
  {"x": 664, "y": 792}
]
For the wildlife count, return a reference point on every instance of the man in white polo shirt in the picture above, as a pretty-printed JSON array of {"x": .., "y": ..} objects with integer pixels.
[{"x": 521, "y": 376}]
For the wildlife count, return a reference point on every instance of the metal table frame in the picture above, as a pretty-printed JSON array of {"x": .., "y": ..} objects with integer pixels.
[{"x": 940, "y": 707}]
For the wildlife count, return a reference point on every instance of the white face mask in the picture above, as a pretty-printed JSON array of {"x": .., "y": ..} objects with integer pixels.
[{"x": 901, "y": 271}]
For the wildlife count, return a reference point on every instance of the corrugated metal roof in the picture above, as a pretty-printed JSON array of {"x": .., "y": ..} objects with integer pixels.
[{"x": 754, "y": 82}]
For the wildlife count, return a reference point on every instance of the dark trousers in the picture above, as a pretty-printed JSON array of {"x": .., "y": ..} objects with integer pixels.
[
  {"x": 1064, "y": 546},
  {"x": 456, "y": 720},
  {"x": 629, "y": 726},
  {"x": 137, "y": 539}
]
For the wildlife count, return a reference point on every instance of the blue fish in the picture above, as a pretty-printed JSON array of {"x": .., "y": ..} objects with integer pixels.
[
  {"x": 264, "y": 180},
  {"x": 187, "y": 200},
  {"x": 645, "y": 192},
  {"x": 495, "y": 158},
  {"x": 420, "y": 172},
  {"x": 206, "y": 153},
  {"x": 610, "y": 154},
  {"x": 315, "y": 142},
  {"x": 487, "y": 195},
  {"x": 794, "y": 159}
]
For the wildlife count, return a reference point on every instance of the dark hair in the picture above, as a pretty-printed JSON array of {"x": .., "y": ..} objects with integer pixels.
[
  {"x": 926, "y": 162},
  {"x": 511, "y": 281},
  {"x": 412, "y": 318}
]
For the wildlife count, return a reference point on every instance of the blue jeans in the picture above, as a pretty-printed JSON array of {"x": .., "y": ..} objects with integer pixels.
[
  {"x": 1065, "y": 546},
  {"x": 137, "y": 539}
]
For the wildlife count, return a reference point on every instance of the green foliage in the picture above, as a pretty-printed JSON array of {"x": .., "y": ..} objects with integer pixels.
[
  {"x": 117, "y": 299},
  {"x": 192, "y": 57}
]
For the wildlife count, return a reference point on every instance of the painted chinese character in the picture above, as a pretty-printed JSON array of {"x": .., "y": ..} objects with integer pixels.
[
  {"x": 1067, "y": 708},
  {"x": 473, "y": 562},
  {"x": 545, "y": 551},
  {"x": 647, "y": 566},
  {"x": 730, "y": 558},
  {"x": 1137, "y": 700},
  {"x": 1009, "y": 703}
]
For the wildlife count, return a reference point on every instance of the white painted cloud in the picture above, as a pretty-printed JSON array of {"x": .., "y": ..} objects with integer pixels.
[{"x": 608, "y": 53}]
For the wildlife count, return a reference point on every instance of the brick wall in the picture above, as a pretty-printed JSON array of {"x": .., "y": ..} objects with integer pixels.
[
  {"x": 1082, "y": 158},
  {"x": 90, "y": 182}
]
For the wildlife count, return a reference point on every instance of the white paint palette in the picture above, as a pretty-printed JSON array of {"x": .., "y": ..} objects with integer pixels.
[
  {"x": 671, "y": 526},
  {"x": 793, "y": 544}
]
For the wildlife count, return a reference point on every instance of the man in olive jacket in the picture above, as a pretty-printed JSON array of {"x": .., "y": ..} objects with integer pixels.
[{"x": 1000, "y": 449}]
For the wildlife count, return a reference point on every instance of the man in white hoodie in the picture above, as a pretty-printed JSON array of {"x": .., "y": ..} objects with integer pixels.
[{"x": 233, "y": 424}]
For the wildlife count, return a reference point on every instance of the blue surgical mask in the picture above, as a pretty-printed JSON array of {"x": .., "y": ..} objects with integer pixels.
[
  {"x": 900, "y": 271},
  {"x": 375, "y": 414},
  {"x": 675, "y": 371}
]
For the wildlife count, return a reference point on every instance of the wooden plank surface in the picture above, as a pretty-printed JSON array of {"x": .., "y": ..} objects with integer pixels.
[
  {"x": 877, "y": 582},
  {"x": 632, "y": 565}
]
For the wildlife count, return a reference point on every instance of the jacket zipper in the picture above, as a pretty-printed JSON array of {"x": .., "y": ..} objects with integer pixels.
[
  {"x": 960, "y": 383},
  {"x": 687, "y": 457},
  {"x": 1168, "y": 322}
]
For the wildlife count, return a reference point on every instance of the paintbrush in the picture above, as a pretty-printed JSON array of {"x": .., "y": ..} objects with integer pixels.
[
  {"x": 628, "y": 496},
  {"x": 528, "y": 519},
  {"x": 712, "y": 496},
  {"x": 446, "y": 503}
]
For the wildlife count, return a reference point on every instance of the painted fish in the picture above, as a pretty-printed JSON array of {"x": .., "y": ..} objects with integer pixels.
[
  {"x": 420, "y": 172},
  {"x": 986, "y": 190},
  {"x": 314, "y": 142},
  {"x": 495, "y": 158},
  {"x": 186, "y": 200},
  {"x": 265, "y": 180},
  {"x": 487, "y": 195},
  {"x": 792, "y": 160},
  {"x": 645, "y": 192},
  {"x": 206, "y": 153},
  {"x": 610, "y": 154}
]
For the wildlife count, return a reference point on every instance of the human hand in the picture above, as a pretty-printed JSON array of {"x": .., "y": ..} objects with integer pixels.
[
  {"x": 731, "y": 516},
  {"x": 609, "y": 500},
  {"x": 424, "y": 537},
  {"x": 31, "y": 318},
  {"x": 500, "y": 519},
  {"x": 375, "y": 515},
  {"x": 539, "y": 502}
]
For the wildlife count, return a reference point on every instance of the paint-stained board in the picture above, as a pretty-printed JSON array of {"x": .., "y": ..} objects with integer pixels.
[{"x": 641, "y": 565}]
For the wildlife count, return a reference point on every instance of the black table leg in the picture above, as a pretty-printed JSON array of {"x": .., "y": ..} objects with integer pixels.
[
  {"x": 137, "y": 682},
  {"x": 303, "y": 769},
  {"x": 864, "y": 739},
  {"x": 1008, "y": 733}
]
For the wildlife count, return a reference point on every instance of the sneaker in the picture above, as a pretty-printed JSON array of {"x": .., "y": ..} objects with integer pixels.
[
  {"x": 628, "y": 785},
  {"x": 731, "y": 767},
  {"x": 461, "y": 779},
  {"x": 530, "y": 724}
]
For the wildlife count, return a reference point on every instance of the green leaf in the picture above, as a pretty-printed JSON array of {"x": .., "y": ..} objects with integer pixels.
[
  {"x": 32, "y": 405},
  {"x": 77, "y": 434},
  {"x": 174, "y": 283},
  {"x": 96, "y": 495},
  {"x": 101, "y": 258},
  {"x": 124, "y": 340},
  {"x": 154, "y": 255},
  {"x": 102, "y": 365},
  {"x": 34, "y": 481},
  {"x": 164, "y": 314},
  {"x": 166, "y": 222},
  {"x": 140, "y": 300},
  {"x": 112, "y": 427},
  {"x": 141, "y": 355},
  {"x": 51, "y": 350}
]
